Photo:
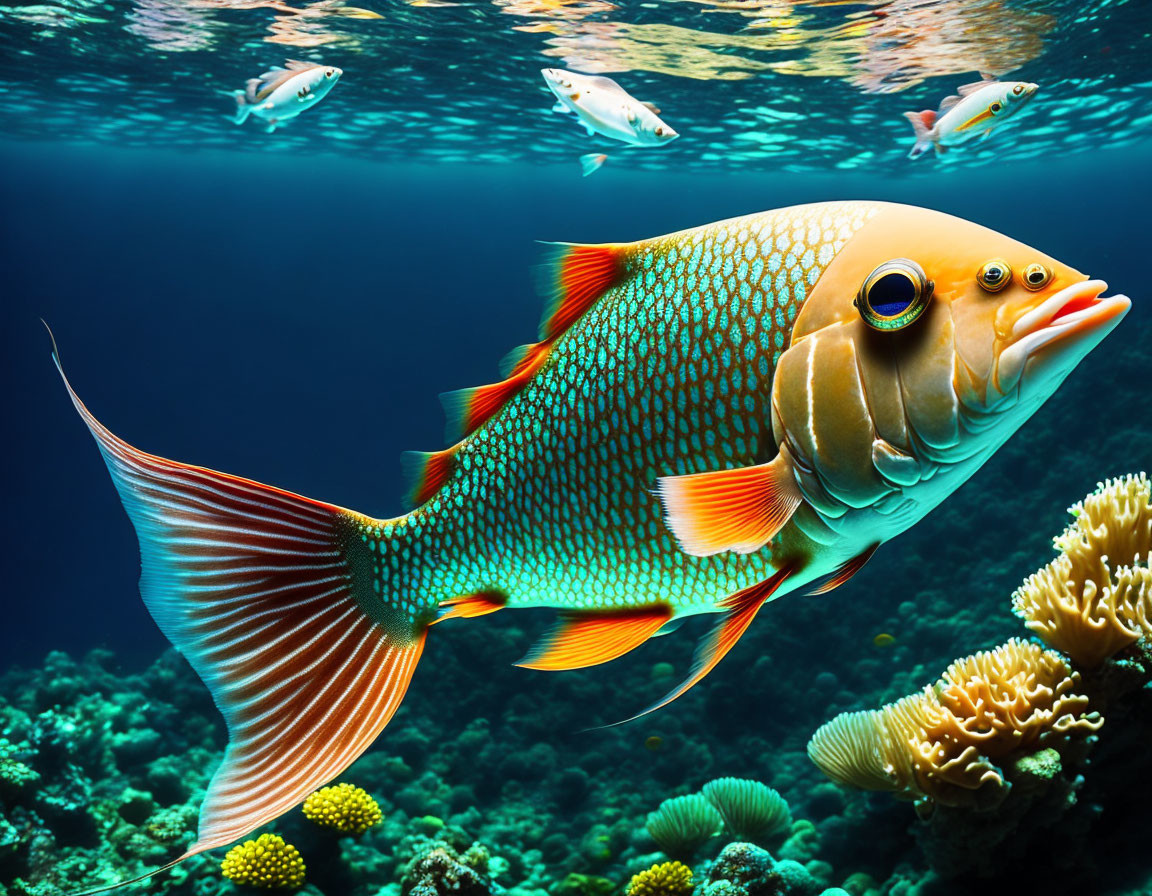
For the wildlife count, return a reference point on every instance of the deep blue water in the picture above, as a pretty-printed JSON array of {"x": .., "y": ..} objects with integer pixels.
[{"x": 292, "y": 319}]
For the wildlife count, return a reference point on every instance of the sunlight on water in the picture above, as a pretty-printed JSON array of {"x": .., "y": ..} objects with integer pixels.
[{"x": 767, "y": 84}]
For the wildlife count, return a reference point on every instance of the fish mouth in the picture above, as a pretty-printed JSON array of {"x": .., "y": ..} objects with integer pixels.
[{"x": 1060, "y": 331}]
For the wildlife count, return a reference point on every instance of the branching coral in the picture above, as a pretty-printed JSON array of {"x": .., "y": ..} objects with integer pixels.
[
  {"x": 1095, "y": 598},
  {"x": 682, "y": 824},
  {"x": 940, "y": 744},
  {"x": 663, "y": 879},
  {"x": 751, "y": 810},
  {"x": 345, "y": 807},
  {"x": 266, "y": 862}
]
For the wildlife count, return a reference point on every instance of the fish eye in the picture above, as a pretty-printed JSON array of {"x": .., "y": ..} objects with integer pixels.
[
  {"x": 894, "y": 295},
  {"x": 994, "y": 275},
  {"x": 1036, "y": 276},
  {"x": 329, "y": 73},
  {"x": 1018, "y": 89},
  {"x": 995, "y": 107},
  {"x": 659, "y": 132}
]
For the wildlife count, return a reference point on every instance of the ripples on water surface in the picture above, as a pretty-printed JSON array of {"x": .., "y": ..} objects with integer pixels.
[{"x": 765, "y": 84}]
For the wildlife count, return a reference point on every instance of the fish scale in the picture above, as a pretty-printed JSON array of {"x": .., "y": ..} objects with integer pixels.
[{"x": 669, "y": 372}]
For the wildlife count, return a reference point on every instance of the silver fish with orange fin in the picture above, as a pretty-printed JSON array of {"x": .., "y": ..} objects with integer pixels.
[
  {"x": 709, "y": 420},
  {"x": 975, "y": 111},
  {"x": 283, "y": 93}
]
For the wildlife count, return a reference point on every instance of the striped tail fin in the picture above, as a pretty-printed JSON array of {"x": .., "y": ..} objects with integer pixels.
[{"x": 270, "y": 597}]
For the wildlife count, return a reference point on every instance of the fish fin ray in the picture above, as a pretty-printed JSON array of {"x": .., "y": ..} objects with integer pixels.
[
  {"x": 590, "y": 638},
  {"x": 969, "y": 89},
  {"x": 471, "y": 605},
  {"x": 573, "y": 277},
  {"x": 425, "y": 473},
  {"x": 741, "y": 608},
  {"x": 846, "y": 570},
  {"x": 264, "y": 592},
  {"x": 738, "y": 510},
  {"x": 591, "y": 162},
  {"x": 948, "y": 102},
  {"x": 466, "y": 410}
]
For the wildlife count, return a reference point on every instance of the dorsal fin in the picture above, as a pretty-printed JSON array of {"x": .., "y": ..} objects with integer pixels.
[
  {"x": 425, "y": 472},
  {"x": 969, "y": 89},
  {"x": 573, "y": 277},
  {"x": 466, "y": 410},
  {"x": 521, "y": 358},
  {"x": 948, "y": 102}
]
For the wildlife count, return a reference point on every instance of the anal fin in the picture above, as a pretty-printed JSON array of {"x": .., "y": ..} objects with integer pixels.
[
  {"x": 846, "y": 570},
  {"x": 738, "y": 510},
  {"x": 740, "y": 609},
  {"x": 590, "y": 638},
  {"x": 471, "y": 605}
]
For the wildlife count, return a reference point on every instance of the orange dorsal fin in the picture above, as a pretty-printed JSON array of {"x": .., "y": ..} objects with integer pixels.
[
  {"x": 471, "y": 605},
  {"x": 740, "y": 609},
  {"x": 426, "y": 472},
  {"x": 588, "y": 639},
  {"x": 522, "y": 357},
  {"x": 466, "y": 410},
  {"x": 846, "y": 570},
  {"x": 730, "y": 510},
  {"x": 573, "y": 277}
]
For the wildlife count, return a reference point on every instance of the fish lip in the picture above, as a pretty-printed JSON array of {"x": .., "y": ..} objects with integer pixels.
[{"x": 1071, "y": 315}]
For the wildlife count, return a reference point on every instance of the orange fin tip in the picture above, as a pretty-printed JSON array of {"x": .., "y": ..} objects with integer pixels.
[
  {"x": 471, "y": 605},
  {"x": 737, "y": 510},
  {"x": 588, "y": 639},
  {"x": 573, "y": 277},
  {"x": 741, "y": 608},
  {"x": 466, "y": 410},
  {"x": 426, "y": 472},
  {"x": 845, "y": 571}
]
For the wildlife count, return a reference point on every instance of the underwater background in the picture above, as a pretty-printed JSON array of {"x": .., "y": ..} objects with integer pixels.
[{"x": 287, "y": 307}]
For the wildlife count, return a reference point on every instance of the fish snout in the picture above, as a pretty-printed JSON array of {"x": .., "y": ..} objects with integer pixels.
[
  {"x": 1030, "y": 89},
  {"x": 1051, "y": 338}
]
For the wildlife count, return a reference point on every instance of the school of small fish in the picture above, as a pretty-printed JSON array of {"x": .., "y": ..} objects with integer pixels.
[{"x": 606, "y": 109}]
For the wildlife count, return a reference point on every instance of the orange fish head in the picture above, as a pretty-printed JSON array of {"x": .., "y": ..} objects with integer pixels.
[{"x": 926, "y": 342}]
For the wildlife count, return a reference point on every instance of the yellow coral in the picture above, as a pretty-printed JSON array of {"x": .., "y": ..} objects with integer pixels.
[
  {"x": 1095, "y": 598},
  {"x": 266, "y": 862},
  {"x": 940, "y": 743},
  {"x": 344, "y": 807},
  {"x": 663, "y": 879}
]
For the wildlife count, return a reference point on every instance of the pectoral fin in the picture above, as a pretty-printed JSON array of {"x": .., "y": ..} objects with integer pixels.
[{"x": 737, "y": 510}]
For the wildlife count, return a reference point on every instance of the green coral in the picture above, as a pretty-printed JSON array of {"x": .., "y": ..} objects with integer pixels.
[{"x": 15, "y": 774}]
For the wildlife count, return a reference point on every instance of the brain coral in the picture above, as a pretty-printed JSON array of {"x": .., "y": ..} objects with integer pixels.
[
  {"x": 346, "y": 808},
  {"x": 682, "y": 824},
  {"x": 1095, "y": 598},
  {"x": 266, "y": 862},
  {"x": 663, "y": 879},
  {"x": 751, "y": 810},
  {"x": 940, "y": 744}
]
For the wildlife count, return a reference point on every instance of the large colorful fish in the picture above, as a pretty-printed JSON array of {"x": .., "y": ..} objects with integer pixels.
[{"x": 709, "y": 420}]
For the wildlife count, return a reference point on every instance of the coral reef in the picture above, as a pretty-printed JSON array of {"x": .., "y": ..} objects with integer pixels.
[
  {"x": 664, "y": 879},
  {"x": 266, "y": 862},
  {"x": 751, "y": 810},
  {"x": 941, "y": 744},
  {"x": 683, "y": 824},
  {"x": 1095, "y": 598},
  {"x": 344, "y": 807}
]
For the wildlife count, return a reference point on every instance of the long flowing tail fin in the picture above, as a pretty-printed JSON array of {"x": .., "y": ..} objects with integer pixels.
[{"x": 270, "y": 597}]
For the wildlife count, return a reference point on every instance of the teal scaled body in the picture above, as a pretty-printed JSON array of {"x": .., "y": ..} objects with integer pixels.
[{"x": 552, "y": 502}]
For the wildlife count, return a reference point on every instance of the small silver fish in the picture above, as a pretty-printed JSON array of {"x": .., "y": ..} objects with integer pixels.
[
  {"x": 606, "y": 108},
  {"x": 283, "y": 93},
  {"x": 974, "y": 111}
]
